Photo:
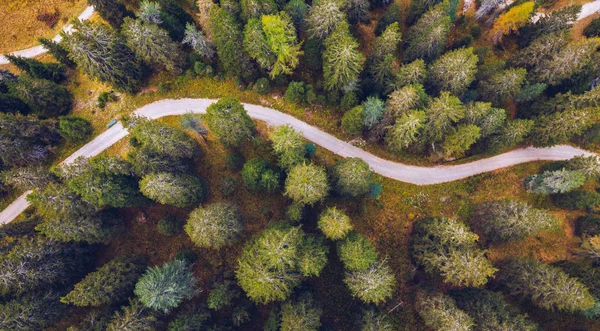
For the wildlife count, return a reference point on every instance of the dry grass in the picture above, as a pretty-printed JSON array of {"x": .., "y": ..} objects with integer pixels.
[{"x": 20, "y": 27}]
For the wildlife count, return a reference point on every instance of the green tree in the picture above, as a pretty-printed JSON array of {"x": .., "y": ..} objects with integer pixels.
[
  {"x": 353, "y": 120},
  {"x": 511, "y": 134},
  {"x": 152, "y": 44},
  {"x": 113, "y": 11},
  {"x": 489, "y": 120},
  {"x": 161, "y": 139},
  {"x": 227, "y": 35},
  {"x": 458, "y": 142},
  {"x": 33, "y": 311},
  {"x": 164, "y": 288},
  {"x": 27, "y": 178},
  {"x": 506, "y": 220},
  {"x": 357, "y": 11},
  {"x": 323, "y": 19},
  {"x": 449, "y": 248},
  {"x": 103, "y": 55},
  {"x": 427, "y": 38},
  {"x": 411, "y": 73},
  {"x": 74, "y": 129},
  {"x": 90, "y": 228},
  {"x": 179, "y": 190},
  {"x": 229, "y": 121},
  {"x": 357, "y": 252},
  {"x": 503, "y": 85},
  {"x": 306, "y": 184},
  {"x": 149, "y": 12},
  {"x": 560, "y": 127},
  {"x": 546, "y": 286},
  {"x": 440, "y": 312},
  {"x": 269, "y": 267},
  {"x": 342, "y": 61},
  {"x": 134, "y": 317},
  {"x": 406, "y": 130},
  {"x": 393, "y": 14},
  {"x": 57, "y": 50},
  {"x": 195, "y": 318},
  {"x": 288, "y": 145},
  {"x": 374, "y": 320},
  {"x": 50, "y": 71},
  {"x": 257, "y": 175},
  {"x": 334, "y": 223},
  {"x": 44, "y": 98},
  {"x": 490, "y": 311},
  {"x": 374, "y": 108},
  {"x": 577, "y": 199},
  {"x": 404, "y": 99},
  {"x": 454, "y": 71},
  {"x": 221, "y": 295},
  {"x": 352, "y": 177},
  {"x": 301, "y": 314},
  {"x": 215, "y": 226},
  {"x": 257, "y": 8},
  {"x": 373, "y": 285},
  {"x": 558, "y": 181},
  {"x": 200, "y": 43},
  {"x": 109, "y": 284},
  {"x": 442, "y": 113}
]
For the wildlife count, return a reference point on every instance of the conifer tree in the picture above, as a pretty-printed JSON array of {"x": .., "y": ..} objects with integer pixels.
[
  {"x": 113, "y": 11},
  {"x": 323, "y": 18},
  {"x": 342, "y": 62},
  {"x": 440, "y": 312},
  {"x": 454, "y": 71},
  {"x": 427, "y": 38}
]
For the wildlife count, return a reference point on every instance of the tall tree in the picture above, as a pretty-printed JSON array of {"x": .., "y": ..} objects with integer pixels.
[
  {"x": 164, "y": 288},
  {"x": 54, "y": 72},
  {"x": 546, "y": 286},
  {"x": 257, "y": 8},
  {"x": 352, "y": 177},
  {"x": 427, "y": 38},
  {"x": 323, "y": 19},
  {"x": 489, "y": 120},
  {"x": 102, "y": 54},
  {"x": 301, "y": 314},
  {"x": 57, "y": 50},
  {"x": 440, "y": 312},
  {"x": 113, "y": 11},
  {"x": 561, "y": 127},
  {"x": 454, "y": 71},
  {"x": 200, "y": 43},
  {"x": 552, "y": 182},
  {"x": 288, "y": 145},
  {"x": 215, "y": 226},
  {"x": 33, "y": 311},
  {"x": 306, "y": 184},
  {"x": 179, "y": 190},
  {"x": 442, "y": 113},
  {"x": 342, "y": 61},
  {"x": 161, "y": 139},
  {"x": 356, "y": 252},
  {"x": 506, "y": 220},
  {"x": 459, "y": 141},
  {"x": 229, "y": 121},
  {"x": 405, "y": 130},
  {"x": 152, "y": 44},
  {"x": 373, "y": 285},
  {"x": 134, "y": 317},
  {"x": 44, "y": 98}
]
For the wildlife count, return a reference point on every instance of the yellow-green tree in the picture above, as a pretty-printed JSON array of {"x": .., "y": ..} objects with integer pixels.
[{"x": 511, "y": 21}]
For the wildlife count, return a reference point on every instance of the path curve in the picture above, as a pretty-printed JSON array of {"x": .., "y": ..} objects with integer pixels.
[
  {"x": 398, "y": 171},
  {"x": 38, "y": 50}
]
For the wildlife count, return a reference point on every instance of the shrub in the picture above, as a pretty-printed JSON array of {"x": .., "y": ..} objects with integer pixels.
[
  {"x": 262, "y": 86},
  {"x": 593, "y": 29},
  {"x": 221, "y": 295},
  {"x": 349, "y": 101},
  {"x": 357, "y": 252},
  {"x": 74, "y": 129},
  {"x": 202, "y": 69},
  {"x": 294, "y": 212},
  {"x": 352, "y": 121},
  {"x": 257, "y": 175},
  {"x": 104, "y": 98},
  {"x": 578, "y": 199},
  {"x": 295, "y": 93},
  {"x": 375, "y": 191},
  {"x": 310, "y": 149},
  {"x": 288, "y": 145},
  {"x": 169, "y": 226},
  {"x": 164, "y": 288},
  {"x": 215, "y": 225},
  {"x": 334, "y": 224}
]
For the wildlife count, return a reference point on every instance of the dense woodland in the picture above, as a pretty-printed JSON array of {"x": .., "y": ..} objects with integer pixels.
[{"x": 161, "y": 236}]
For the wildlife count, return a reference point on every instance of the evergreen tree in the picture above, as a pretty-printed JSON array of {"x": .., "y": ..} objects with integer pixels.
[
  {"x": 101, "y": 53},
  {"x": 288, "y": 145},
  {"x": 490, "y": 311},
  {"x": 229, "y": 121},
  {"x": 28, "y": 178},
  {"x": 33, "y": 311},
  {"x": 323, "y": 19},
  {"x": 353, "y": 120},
  {"x": 393, "y": 14},
  {"x": 257, "y": 175},
  {"x": 546, "y": 286},
  {"x": 511, "y": 20},
  {"x": 150, "y": 12},
  {"x": 459, "y": 141},
  {"x": 511, "y": 134},
  {"x": 92, "y": 228},
  {"x": 373, "y": 285},
  {"x": 44, "y": 98},
  {"x": 454, "y": 71},
  {"x": 373, "y": 109},
  {"x": 357, "y": 11},
  {"x": 357, "y": 252},
  {"x": 133, "y": 318},
  {"x": 306, "y": 184},
  {"x": 555, "y": 21},
  {"x": 74, "y": 129},
  {"x": 558, "y": 181},
  {"x": 297, "y": 10},
  {"x": 257, "y": 8},
  {"x": 427, "y": 38},
  {"x": 163, "y": 140},
  {"x": 373, "y": 320},
  {"x": 566, "y": 62},
  {"x": 449, "y": 248},
  {"x": 402, "y": 100},
  {"x": 440, "y": 312},
  {"x": 164, "y": 288},
  {"x": 227, "y": 35},
  {"x": 342, "y": 61},
  {"x": 152, "y": 44},
  {"x": 179, "y": 190},
  {"x": 506, "y": 220},
  {"x": 198, "y": 42},
  {"x": 588, "y": 165},
  {"x": 406, "y": 130},
  {"x": 442, "y": 113},
  {"x": 411, "y": 73},
  {"x": 334, "y": 224},
  {"x": 270, "y": 266},
  {"x": 301, "y": 314},
  {"x": 352, "y": 177},
  {"x": 50, "y": 71},
  {"x": 221, "y": 295},
  {"x": 57, "y": 50},
  {"x": 215, "y": 226},
  {"x": 113, "y": 11},
  {"x": 489, "y": 120},
  {"x": 109, "y": 284}
]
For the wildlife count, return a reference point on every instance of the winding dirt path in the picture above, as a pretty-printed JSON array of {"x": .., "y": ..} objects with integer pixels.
[{"x": 398, "y": 171}]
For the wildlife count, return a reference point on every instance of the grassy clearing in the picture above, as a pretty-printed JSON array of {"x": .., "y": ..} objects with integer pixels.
[{"x": 21, "y": 24}]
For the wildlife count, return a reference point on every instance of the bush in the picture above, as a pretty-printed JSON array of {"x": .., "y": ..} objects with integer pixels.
[
  {"x": 593, "y": 29},
  {"x": 203, "y": 70},
  {"x": 169, "y": 226},
  {"x": 74, "y": 129},
  {"x": 294, "y": 212},
  {"x": 104, "y": 98},
  {"x": 476, "y": 31},
  {"x": 349, "y": 101},
  {"x": 295, "y": 93},
  {"x": 257, "y": 175},
  {"x": 221, "y": 295},
  {"x": 262, "y": 86},
  {"x": 311, "y": 149},
  {"x": 352, "y": 121},
  {"x": 578, "y": 199},
  {"x": 587, "y": 226},
  {"x": 164, "y": 87}
]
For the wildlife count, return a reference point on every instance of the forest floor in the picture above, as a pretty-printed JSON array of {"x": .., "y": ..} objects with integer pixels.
[{"x": 24, "y": 21}]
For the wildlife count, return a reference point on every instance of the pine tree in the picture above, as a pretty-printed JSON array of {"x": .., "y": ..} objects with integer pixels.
[
  {"x": 405, "y": 130},
  {"x": 373, "y": 285},
  {"x": 133, "y": 318},
  {"x": 152, "y": 44},
  {"x": 198, "y": 42},
  {"x": 301, "y": 314},
  {"x": 33, "y": 311},
  {"x": 288, "y": 145},
  {"x": 552, "y": 182},
  {"x": 506, "y": 220},
  {"x": 229, "y": 121},
  {"x": 44, "y": 98},
  {"x": 257, "y": 8},
  {"x": 163, "y": 140},
  {"x": 150, "y": 12},
  {"x": 352, "y": 177},
  {"x": 373, "y": 320},
  {"x": 164, "y": 288},
  {"x": 334, "y": 223},
  {"x": 50, "y": 71},
  {"x": 306, "y": 184},
  {"x": 227, "y": 35},
  {"x": 101, "y": 53},
  {"x": 454, "y": 71},
  {"x": 427, "y": 38},
  {"x": 442, "y": 113},
  {"x": 458, "y": 142},
  {"x": 560, "y": 127},
  {"x": 356, "y": 252},
  {"x": 342, "y": 62},
  {"x": 28, "y": 178},
  {"x": 357, "y": 11},
  {"x": 179, "y": 190},
  {"x": 440, "y": 312},
  {"x": 546, "y": 286},
  {"x": 489, "y": 120},
  {"x": 323, "y": 19},
  {"x": 113, "y": 11},
  {"x": 215, "y": 226}
]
